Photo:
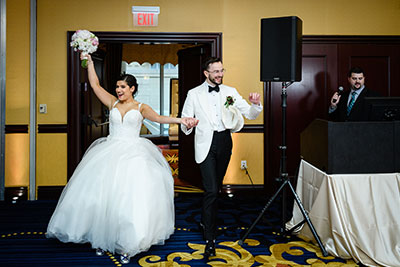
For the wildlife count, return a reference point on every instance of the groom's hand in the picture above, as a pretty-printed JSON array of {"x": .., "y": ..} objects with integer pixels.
[
  {"x": 254, "y": 98},
  {"x": 190, "y": 122}
]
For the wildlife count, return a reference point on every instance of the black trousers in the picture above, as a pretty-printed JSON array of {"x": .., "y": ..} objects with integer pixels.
[{"x": 213, "y": 170}]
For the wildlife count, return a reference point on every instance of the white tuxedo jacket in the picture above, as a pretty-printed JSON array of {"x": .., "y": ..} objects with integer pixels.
[{"x": 197, "y": 105}]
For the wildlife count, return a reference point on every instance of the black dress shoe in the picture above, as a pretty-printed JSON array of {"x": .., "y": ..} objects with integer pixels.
[{"x": 209, "y": 250}]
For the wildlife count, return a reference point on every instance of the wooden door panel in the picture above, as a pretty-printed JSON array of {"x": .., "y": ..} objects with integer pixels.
[
  {"x": 93, "y": 111},
  {"x": 326, "y": 61},
  {"x": 190, "y": 75},
  {"x": 380, "y": 63}
]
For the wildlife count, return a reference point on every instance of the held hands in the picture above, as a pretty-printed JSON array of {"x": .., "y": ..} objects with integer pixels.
[
  {"x": 189, "y": 122},
  {"x": 335, "y": 99},
  {"x": 254, "y": 98}
]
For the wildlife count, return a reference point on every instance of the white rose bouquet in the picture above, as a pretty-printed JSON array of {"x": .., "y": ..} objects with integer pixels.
[{"x": 85, "y": 42}]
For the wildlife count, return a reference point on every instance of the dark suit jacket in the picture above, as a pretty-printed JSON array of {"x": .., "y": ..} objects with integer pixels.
[{"x": 359, "y": 112}]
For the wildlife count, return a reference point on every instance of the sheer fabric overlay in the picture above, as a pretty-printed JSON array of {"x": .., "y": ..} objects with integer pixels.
[{"x": 121, "y": 196}]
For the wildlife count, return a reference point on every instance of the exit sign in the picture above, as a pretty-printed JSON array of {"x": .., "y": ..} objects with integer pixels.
[{"x": 145, "y": 15}]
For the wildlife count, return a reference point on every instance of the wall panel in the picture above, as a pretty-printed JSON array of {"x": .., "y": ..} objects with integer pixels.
[{"x": 326, "y": 61}]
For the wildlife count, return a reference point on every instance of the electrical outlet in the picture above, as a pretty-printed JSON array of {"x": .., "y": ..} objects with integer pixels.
[{"x": 243, "y": 164}]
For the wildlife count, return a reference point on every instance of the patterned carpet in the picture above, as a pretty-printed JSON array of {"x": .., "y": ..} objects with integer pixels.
[
  {"x": 23, "y": 225},
  {"x": 23, "y": 241}
]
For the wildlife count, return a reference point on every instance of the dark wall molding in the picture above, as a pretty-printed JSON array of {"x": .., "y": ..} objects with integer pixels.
[
  {"x": 215, "y": 39},
  {"x": 18, "y": 128},
  {"x": 52, "y": 128},
  {"x": 63, "y": 128},
  {"x": 345, "y": 39},
  {"x": 252, "y": 128},
  {"x": 15, "y": 194},
  {"x": 49, "y": 192}
]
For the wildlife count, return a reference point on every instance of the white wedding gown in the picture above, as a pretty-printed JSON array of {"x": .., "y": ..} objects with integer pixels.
[{"x": 121, "y": 196}]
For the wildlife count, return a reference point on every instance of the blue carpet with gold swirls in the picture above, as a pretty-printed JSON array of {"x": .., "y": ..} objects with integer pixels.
[{"x": 23, "y": 241}]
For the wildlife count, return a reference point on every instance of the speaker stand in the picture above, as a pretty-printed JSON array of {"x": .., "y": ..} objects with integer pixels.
[{"x": 284, "y": 178}]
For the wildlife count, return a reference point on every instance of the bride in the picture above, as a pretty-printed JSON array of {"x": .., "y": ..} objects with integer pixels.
[{"x": 121, "y": 195}]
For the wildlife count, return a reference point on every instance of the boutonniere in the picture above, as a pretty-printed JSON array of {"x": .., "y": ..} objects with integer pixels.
[{"x": 229, "y": 101}]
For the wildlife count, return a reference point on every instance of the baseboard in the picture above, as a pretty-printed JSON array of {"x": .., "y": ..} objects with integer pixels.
[
  {"x": 242, "y": 189},
  {"x": 15, "y": 194},
  {"x": 49, "y": 192}
]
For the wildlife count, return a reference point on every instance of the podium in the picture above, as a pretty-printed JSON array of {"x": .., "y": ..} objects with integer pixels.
[{"x": 352, "y": 147}]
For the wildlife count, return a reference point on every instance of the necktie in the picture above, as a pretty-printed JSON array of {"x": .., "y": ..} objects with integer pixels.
[
  {"x": 216, "y": 89},
  {"x": 351, "y": 103}
]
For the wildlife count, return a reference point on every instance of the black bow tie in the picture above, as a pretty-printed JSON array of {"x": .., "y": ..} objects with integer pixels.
[{"x": 216, "y": 89}]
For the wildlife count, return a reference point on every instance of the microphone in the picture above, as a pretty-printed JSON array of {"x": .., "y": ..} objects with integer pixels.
[{"x": 340, "y": 91}]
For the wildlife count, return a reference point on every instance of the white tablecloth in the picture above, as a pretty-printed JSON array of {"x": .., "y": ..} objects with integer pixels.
[{"x": 355, "y": 215}]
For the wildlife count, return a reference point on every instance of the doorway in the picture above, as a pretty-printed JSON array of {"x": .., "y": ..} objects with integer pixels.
[{"x": 81, "y": 110}]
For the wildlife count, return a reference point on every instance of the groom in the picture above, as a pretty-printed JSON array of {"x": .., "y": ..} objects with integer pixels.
[{"x": 218, "y": 109}]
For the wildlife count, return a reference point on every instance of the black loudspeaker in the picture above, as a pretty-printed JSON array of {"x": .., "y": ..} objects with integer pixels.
[{"x": 281, "y": 49}]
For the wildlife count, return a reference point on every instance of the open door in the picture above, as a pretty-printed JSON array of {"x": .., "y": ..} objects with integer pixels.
[
  {"x": 76, "y": 89},
  {"x": 94, "y": 113},
  {"x": 190, "y": 75}
]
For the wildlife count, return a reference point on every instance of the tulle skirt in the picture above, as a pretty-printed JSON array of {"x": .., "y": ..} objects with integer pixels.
[{"x": 120, "y": 198}]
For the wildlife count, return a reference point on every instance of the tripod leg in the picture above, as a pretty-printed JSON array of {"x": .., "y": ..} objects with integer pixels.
[
  {"x": 262, "y": 213},
  {"x": 307, "y": 218}
]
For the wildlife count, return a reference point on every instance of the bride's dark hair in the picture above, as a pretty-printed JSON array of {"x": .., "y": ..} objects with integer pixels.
[{"x": 130, "y": 80}]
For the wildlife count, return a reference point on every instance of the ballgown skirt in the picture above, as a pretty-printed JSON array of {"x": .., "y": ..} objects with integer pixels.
[{"x": 120, "y": 198}]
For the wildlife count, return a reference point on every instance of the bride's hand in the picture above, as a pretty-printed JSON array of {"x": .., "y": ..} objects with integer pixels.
[
  {"x": 86, "y": 56},
  {"x": 190, "y": 122}
]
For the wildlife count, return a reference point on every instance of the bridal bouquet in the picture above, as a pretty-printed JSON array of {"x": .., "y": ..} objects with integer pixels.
[{"x": 85, "y": 42}]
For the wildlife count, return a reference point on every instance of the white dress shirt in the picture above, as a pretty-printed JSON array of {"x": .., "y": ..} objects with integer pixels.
[{"x": 215, "y": 105}]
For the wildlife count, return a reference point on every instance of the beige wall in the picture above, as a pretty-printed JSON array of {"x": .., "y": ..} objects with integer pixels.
[
  {"x": 246, "y": 146},
  {"x": 17, "y": 64},
  {"x": 17, "y": 160},
  {"x": 51, "y": 167},
  {"x": 238, "y": 20},
  {"x": 17, "y": 92}
]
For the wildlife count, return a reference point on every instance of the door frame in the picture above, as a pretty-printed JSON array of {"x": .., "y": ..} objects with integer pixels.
[{"x": 74, "y": 74}]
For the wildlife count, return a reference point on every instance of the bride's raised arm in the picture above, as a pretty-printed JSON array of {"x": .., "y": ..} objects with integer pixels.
[{"x": 105, "y": 97}]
